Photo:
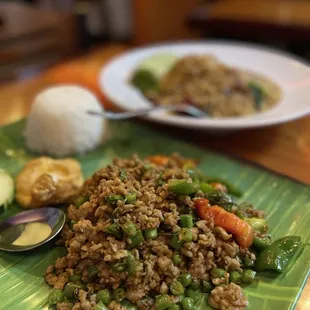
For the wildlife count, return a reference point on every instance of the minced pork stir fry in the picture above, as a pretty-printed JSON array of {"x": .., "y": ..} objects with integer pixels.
[{"x": 158, "y": 234}]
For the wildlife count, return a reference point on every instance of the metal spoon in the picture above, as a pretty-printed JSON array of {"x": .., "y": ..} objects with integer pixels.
[
  {"x": 182, "y": 108},
  {"x": 13, "y": 227}
]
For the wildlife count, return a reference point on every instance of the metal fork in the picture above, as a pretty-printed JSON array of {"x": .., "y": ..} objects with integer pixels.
[{"x": 181, "y": 108}]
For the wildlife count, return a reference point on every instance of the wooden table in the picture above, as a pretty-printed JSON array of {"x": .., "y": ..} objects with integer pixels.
[
  {"x": 287, "y": 20},
  {"x": 283, "y": 148}
]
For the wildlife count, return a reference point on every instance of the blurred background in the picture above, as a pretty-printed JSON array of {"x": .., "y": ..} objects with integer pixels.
[{"x": 36, "y": 35}]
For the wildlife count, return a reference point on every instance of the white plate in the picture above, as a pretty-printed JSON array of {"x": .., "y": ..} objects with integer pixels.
[{"x": 290, "y": 74}]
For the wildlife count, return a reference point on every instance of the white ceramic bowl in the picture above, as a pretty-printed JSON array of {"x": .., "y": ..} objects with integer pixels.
[{"x": 292, "y": 75}]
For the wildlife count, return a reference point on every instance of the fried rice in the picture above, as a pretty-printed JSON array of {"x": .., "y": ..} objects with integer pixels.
[{"x": 92, "y": 244}]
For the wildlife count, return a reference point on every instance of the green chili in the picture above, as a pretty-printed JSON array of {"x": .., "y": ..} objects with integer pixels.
[
  {"x": 261, "y": 243},
  {"x": 56, "y": 296},
  {"x": 163, "y": 302},
  {"x": 185, "y": 279},
  {"x": 104, "y": 296},
  {"x": 113, "y": 229},
  {"x": 131, "y": 197},
  {"x": 150, "y": 234},
  {"x": 278, "y": 255},
  {"x": 186, "y": 221},
  {"x": 129, "y": 228},
  {"x": 182, "y": 187},
  {"x": 136, "y": 239}
]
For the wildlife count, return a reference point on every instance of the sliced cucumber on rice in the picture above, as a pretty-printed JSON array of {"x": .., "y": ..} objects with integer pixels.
[{"x": 6, "y": 190}]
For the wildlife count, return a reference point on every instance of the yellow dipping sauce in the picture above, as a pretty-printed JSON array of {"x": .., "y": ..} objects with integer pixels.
[{"x": 33, "y": 233}]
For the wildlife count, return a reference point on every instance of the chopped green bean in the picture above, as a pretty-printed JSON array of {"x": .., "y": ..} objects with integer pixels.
[
  {"x": 176, "y": 288},
  {"x": 163, "y": 302},
  {"x": 113, "y": 229},
  {"x": 128, "y": 305},
  {"x": 177, "y": 258},
  {"x": 248, "y": 276},
  {"x": 118, "y": 294},
  {"x": 72, "y": 223},
  {"x": 131, "y": 197},
  {"x": 147, "y": 167},
  {"x": 75, "y": 278},
  {"x": 132, "y": 264},
  {"x": 176, "y": 243},
  {"x": 55, "y": 296},
  {"x": 123, "y": 175},
  {"x": 104, "y": 296},
  {"x": 112, "y": 199},
  {"x": 207, "y": 286},
  {"x": 71, "y": 289},
  {"x": 182, "y": 187},
  {"x": 100, "y": 306},
  {"x": 79, "y": 201},
  {"x": 186, "y": 221},
  {"x": 195, "y": 284},
  {"x": 194, "y": 294},
  {"x": 185, "y": 279},
  {"x": 235, "y": 277},
  {"x": 218, "y": 272},
  {"x": 186, "y": 234},
  {"x": 151, "y": 234},
  {"x": 188, "y": 303},
  {"x": 206, "y": 188},
  {"x": 129, "y": 228},
  {"x": 248, "y": 262},
  {"x": 261, "y": 243},
  {"x": 92, "y": 272},
  {"x": 118, "y": 267},
  {"x": 136, "y": 239},
  {"x": 258, "y": 224}
]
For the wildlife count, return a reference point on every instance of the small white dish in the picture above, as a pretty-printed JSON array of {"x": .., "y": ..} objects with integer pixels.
[{"x": 291, "y": 74}]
